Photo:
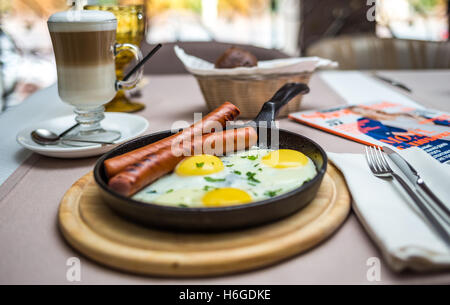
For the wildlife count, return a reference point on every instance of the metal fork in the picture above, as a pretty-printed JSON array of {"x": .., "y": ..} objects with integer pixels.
[{"x": 380, "y": 168}]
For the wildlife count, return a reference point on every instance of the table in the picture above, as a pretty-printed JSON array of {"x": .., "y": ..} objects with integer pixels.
[{"x": 33, "y": 251}]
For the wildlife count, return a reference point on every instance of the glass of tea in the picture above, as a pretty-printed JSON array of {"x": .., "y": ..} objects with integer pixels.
[
  {"x": 130, "y": 29},
  {"x": 84, "y": 43}
]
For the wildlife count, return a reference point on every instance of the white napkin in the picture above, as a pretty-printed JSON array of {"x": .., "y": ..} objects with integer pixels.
[
  {"x": 390, "y": 217},
  {"x": 199, "y": 66}
]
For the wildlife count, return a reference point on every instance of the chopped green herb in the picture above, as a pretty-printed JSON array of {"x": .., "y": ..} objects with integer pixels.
[
  {"x": 252, "y": 184},
  {"x": 182, "y": 205},
  {"x": 256, "y": 165},
  {"x": 253, "y": 158},
  {"x": 208, "y": 187},
  {"x": 237, "y": 172},
  {"x": 209, "y": 179},
  {"x": 260, "y": 169},
  {"x": 200, "y": 164},
  {"x": 243, "y": 157},
  {"x": 272, "y": 193},
  {"x": 251, "y": 177},
  {"x": 169, "y": 191},
  {"x": 229, "y": 165},
  {"x": 151, "y": 192}
]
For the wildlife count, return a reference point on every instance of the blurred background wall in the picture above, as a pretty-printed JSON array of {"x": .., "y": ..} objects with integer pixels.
[{"x": 291, "y": 26}]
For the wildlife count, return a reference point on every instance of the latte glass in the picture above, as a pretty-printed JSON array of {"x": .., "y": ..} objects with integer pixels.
[{"x": 85, "y": 49}]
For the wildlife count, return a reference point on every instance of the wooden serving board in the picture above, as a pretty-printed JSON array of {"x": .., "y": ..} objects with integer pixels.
[{"x": 94, "y": 230}]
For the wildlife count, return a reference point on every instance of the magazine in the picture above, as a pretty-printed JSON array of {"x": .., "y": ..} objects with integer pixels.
[{"x": 384, "y": 123}]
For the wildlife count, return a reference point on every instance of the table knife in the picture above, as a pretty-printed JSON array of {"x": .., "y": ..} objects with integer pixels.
[
  {"x": 414, "y": 177},
  {"x": 392, "y": 82}
]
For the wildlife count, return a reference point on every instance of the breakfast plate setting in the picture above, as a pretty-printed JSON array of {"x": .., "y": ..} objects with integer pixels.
[{"x": 277, "y": 198}]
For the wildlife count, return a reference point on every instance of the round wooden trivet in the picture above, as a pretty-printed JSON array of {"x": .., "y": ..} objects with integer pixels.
[{"x": 97, "y": 232}]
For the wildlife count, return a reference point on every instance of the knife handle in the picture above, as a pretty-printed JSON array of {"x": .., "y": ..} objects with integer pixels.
[
  {"x": 437, "y": 225},
  {"x": 424, "y": 188}
]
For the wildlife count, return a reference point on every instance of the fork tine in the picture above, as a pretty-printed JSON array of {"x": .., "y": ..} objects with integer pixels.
[
  {"x": 371, "y": 156},
  {"x": 375, "y": 159},
  {"x": 369, "y": 160},
  {"x": 379, "y": 156},
  {"x": 372, "y": 161}
]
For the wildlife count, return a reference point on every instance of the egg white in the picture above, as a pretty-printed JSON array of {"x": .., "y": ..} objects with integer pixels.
[{"x": 263, "y": 181}]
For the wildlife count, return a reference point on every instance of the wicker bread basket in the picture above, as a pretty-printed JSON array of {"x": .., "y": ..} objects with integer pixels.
[{"x": 249, "y": 92}]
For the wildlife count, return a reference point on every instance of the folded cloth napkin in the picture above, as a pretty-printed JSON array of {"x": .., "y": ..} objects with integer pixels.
[
  {"x": 388, "y": 214},
  {"x": 199, "y": 66}
]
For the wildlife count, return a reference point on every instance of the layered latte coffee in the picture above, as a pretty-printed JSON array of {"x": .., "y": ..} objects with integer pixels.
[{"x": 83, "y": 44}]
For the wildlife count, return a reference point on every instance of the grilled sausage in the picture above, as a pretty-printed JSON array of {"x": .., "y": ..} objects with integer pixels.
[
  {"x": 218, "y": 117},
  {"x": 155, "y": 165}
]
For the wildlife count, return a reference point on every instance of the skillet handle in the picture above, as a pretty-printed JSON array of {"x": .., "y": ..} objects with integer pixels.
[{"x": 271, "y": 108}]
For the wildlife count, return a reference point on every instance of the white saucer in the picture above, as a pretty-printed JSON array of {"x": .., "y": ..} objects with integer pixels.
[{"x": 130, "y": 126}]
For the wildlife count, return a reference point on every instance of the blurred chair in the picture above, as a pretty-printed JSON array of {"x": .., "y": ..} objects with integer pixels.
[
  {"x": 166, "y": 62},
  {"x": 370, "y": 52}
]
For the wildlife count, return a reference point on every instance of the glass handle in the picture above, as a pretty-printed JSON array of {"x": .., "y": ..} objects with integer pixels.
[{"x": 134, "y": 80}]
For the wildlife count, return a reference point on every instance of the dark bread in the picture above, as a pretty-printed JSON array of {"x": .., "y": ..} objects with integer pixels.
[{"x": 236, "y": 57}]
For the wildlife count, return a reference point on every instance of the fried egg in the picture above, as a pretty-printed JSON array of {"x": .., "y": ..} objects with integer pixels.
[{"x": 238, "y": 178}]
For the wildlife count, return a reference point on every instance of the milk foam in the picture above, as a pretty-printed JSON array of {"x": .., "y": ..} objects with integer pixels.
[
  {"x": 82, "y": 21},
  {"x": 86, "y": 87}
]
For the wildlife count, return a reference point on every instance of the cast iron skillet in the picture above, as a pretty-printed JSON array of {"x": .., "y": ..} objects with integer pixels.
[{"x": 222, "y": 218}]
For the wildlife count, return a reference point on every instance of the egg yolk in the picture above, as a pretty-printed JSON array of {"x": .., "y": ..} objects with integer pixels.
[
  {"x": 284, "y": 158},
  {"x": 225, "y": 196},
  {"x": 199, "y": 165}
]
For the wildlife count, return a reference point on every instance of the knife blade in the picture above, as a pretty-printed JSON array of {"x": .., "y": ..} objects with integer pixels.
[{"x": 413, "y": 176}]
